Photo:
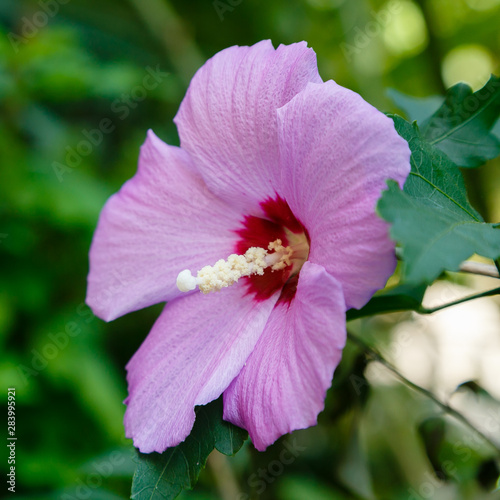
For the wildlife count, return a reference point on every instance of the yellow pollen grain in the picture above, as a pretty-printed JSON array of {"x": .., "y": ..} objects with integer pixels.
[{"x": 255, "y": 260}]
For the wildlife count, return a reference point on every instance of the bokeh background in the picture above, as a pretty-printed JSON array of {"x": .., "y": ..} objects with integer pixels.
[{"x": 74, "y": 110}]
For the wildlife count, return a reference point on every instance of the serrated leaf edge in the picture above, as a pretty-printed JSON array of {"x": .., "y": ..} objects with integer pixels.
[{"x": 472, "y": 117}]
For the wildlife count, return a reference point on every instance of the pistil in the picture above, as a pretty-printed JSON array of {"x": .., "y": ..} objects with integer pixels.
[{"x": 226, "y": 272}]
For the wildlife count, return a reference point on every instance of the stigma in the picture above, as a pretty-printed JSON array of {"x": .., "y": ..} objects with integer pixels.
[{"x": 226, "y": 272}]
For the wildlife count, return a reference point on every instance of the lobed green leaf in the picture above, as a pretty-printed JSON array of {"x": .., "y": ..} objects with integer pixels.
[
  {"x": 461, "y": 127},
  {"x": 432, "y": 218},
  {"x": 165, "y": 475}
]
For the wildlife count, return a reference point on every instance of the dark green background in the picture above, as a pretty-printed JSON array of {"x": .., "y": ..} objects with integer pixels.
[{"x": 58, "y": 81}]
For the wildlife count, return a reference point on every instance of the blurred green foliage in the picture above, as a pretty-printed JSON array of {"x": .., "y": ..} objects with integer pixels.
[{"x": 74, "y": 112}]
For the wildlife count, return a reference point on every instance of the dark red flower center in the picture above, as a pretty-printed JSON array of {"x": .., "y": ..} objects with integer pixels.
[{"x": 278, "y": 222}]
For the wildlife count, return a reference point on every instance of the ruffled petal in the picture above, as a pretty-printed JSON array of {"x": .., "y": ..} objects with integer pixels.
[
  {"x": 337, "y": 151},
  {"x": 227, "y": 121},
  {"x": 162, "y": 221},
  {"x": 283, "y": 384},
  {"x": 195, "y": 349}
]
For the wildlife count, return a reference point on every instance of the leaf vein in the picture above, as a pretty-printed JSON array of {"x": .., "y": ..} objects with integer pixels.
[{"x": 445, "y": 195}]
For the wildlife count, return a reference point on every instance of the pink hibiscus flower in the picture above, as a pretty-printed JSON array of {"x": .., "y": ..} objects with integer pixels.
[{"x": 275, "y": 183}]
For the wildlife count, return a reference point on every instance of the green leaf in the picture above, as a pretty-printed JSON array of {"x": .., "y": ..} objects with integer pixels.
[
  {"x": 461, "y": 126},
  {"x": 164, "y": 476},
  {"x": 432, "y": 218},
  {"x": 496, "y": 129},
  {"x": 399, "y": 298},
  {"x": 475, "y": 388},
  {"x": 416, "y": 109},
  {"x": 432, "y": 433}
]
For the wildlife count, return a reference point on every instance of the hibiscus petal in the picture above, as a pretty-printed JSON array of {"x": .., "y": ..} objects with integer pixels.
[
  {"x": 162, "y": 221},
  {"x": 283, "y": 384},
  {"x": 336, "y": 153},
  {"x": 227, "y": 121},
  {"x": 195, "y": 349}
]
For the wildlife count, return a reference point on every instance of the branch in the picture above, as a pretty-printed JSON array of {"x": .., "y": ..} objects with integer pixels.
[
  {"x": 430, "y": 310},
  {"x": 469, "y": 266},
  {"x": 372, "y": 353}
]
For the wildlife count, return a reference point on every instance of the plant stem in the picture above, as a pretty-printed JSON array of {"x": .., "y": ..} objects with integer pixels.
[
  {"x": 472, "y": 267},
  {"x": 224, "y": 477},
  {"x": 433, "y": 50},
  {"x": 372, "y": 353},
  {"x": 430, "y": 310}
]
